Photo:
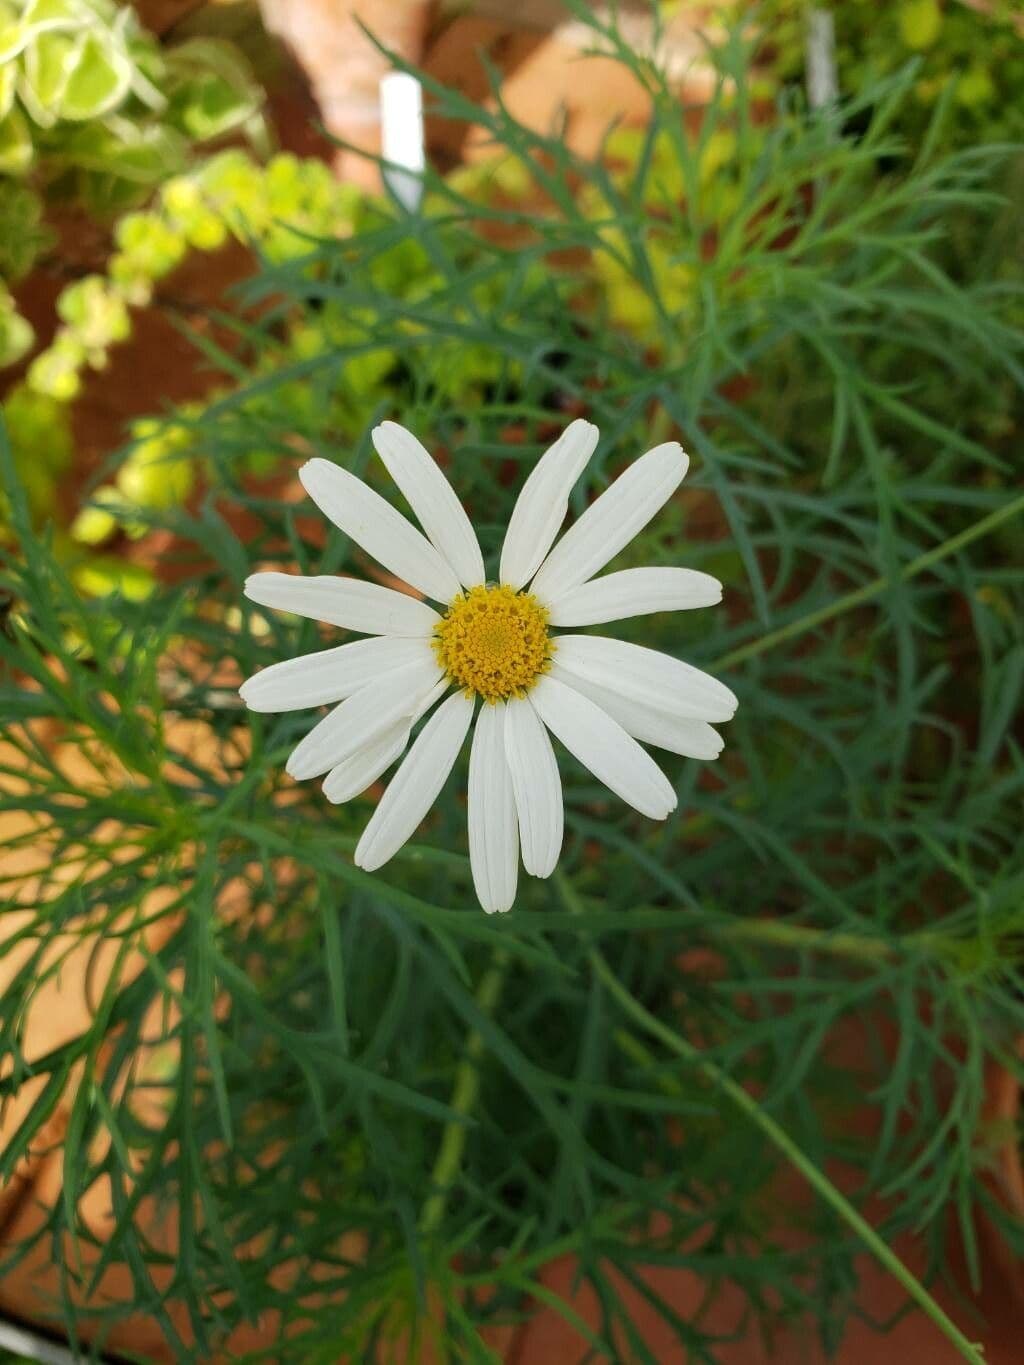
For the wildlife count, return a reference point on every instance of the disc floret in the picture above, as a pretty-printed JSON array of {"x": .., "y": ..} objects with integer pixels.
[{"x": 494, "y": 641}]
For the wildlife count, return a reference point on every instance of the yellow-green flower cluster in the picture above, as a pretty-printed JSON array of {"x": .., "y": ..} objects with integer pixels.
[
  {"x": 159, "y": 473},
  {"x": 973, "y": 52},
  {"x": 279, "y": 209},
  {"x": 89, "y": 98}
]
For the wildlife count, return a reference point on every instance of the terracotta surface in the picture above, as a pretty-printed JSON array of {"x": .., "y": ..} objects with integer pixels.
[
  {"x": 344, "y": 67},
  {"x": 550, "y": 82},
  {"x": 549, "y": 1340},
  {"x": 1005, "y": 1112}
]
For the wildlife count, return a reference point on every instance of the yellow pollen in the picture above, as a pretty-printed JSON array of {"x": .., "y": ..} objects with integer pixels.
[{"x": 494, "y": 642}]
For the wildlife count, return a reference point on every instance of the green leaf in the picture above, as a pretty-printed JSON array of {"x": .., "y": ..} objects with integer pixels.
[
  {"x": 42, "y": 16},
  {"x": 13, "y": 38},
  {"x": 117, "y": 149},
  {"x": 208, "y": 107},
  {"x": 48, "y": 65},
  {"x": 99, "y": 81},
  {"x": 94, "y": 312},
  {"x": 212, "y": 89},
  {"x": 16, "y": 149},
  {"x": 23, "y": 235},
  {"x": 16, "y": 335}
]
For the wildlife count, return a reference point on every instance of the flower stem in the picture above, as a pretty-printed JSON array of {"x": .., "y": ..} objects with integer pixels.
[
  {"x": 464, "y": 1095},
  {"x": 805, "y": 938},
  {"x": 779, "y": 1138},
  {"x": 873, "y": 589},
  {"x": 838, "y": 943}
]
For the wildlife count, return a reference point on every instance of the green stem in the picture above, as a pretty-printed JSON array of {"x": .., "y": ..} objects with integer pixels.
[
  {"x": 804, "y": 938},
  {"x": 873, "y": 589},
  {"x": 464, "y": 1094},
  {"x": 780, "y": 1139}
]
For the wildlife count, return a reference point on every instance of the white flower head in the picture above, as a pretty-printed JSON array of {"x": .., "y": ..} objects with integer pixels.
[{"x": 491, "y": 642}]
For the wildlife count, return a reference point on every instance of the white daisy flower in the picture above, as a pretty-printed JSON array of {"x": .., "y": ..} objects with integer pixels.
[{"x": 493, "y": 641}]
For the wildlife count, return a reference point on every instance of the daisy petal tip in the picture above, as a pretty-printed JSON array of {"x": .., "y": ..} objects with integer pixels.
[
  {"x": 671, "y": 456},
  {"x": 542, "y": 871},
  {"x": 501, "y": 907},
  {"x": 678, "y": 454},
  {"x": 313, "y": 471},
  {"x": 387, "y": 428},
  {"x": 332, "y": 796},
  {"x": 300, "y": 767},
  {"x": 250, "y": 694},
  {"x": 307, "y": 476},
  {"x": 368, "y": 861},
  {"x": 360, "y": 859}
]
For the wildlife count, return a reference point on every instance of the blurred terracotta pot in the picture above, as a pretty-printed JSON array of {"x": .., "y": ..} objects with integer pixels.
[
  {"x": 344, "y": 67},
  {"x": 1004, "y": 1111}
]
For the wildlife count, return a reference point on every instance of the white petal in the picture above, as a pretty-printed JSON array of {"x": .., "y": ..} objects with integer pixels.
[
  {"x": 433, "y": 499},
  {"x": 356, "y": 773},
  {"x": 612, "y": 520},
  {"x": 541, "y": 506},
  {"x": 537, "y": 787},
  {"x": 493, "y": 832},
  {"x": 331, "y": 674},
  {"x": 353, "y": 776},
  {"x": 602, "y": 745},
  {"x": 680, "y": 735},
  {"x": 345, "y": 602},
  {"x": 644, "y": 675},
  {"x": 375, "y": 525},
  {"x": 414, "y": 788},
  {"x": 633, "y": 592},
  {"x": 435, "y": 694},
  {"x": 362, "y": 718}
]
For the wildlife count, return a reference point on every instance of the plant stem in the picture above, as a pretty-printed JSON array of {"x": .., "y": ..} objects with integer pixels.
[
  {"x": 464, "y": 1093},
  {"x": 873, "y": 589},
  {"x": 805, "y": 938},
  {"x": 780, "y": 1139}
]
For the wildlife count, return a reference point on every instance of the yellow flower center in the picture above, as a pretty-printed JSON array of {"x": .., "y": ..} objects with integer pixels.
[{"x": 494, "y": 642}]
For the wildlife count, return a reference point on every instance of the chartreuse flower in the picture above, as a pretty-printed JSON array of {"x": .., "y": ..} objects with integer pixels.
[
  {"x": 16, "y": 333},
  {"x": 159, "y": 473},
  {"x": 975, "y": 87},
  {"x": 189, "y": 214},
  {"x": 104, "y": 577},
  {"x": 97, "y": 521},
  {"x": 95, "y": 314},
  {"x": 920, "y": 23},
  {"x": 491, "y": 651},
  {"x": 57, "y": 371}
]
